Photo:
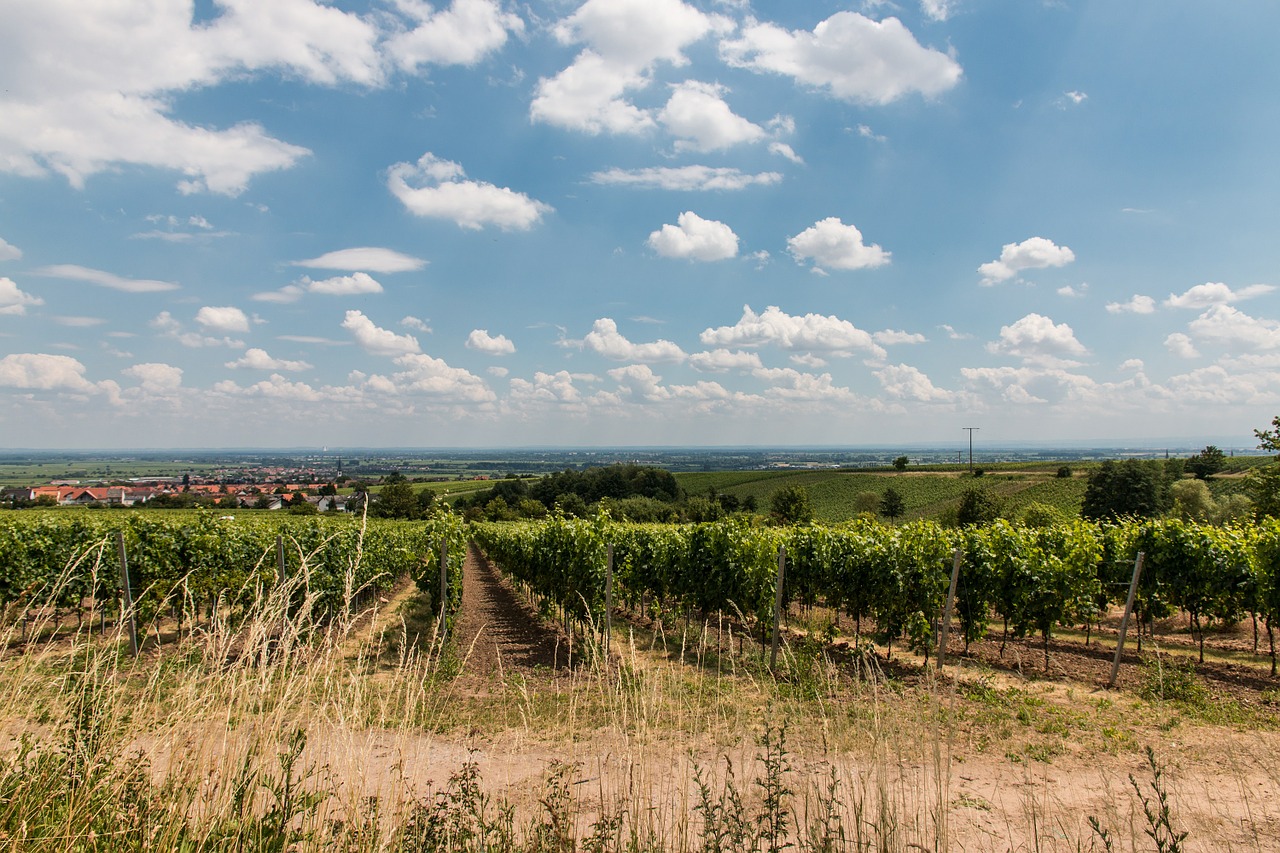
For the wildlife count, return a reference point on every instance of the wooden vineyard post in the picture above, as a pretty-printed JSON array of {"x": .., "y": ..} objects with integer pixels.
[
  {"x": 946, "y": 613},
  {"x": 1124, "y": 623},
  {"x": 777, "y": 605},
  {"x": 608, "y": 599},
  {"x": 444, "y": 583},
  {"x": 280, "y": 558},
  {"x": 126, "y": 605}
]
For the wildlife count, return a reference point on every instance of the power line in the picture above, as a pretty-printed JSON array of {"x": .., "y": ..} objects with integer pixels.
[{"x": 971, "y": 429}]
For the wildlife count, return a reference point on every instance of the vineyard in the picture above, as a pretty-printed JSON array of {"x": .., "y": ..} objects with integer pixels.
[{"x": 191, "y": 564}]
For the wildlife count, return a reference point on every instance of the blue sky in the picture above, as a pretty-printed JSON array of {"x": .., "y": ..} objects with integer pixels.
[{"x": 636, "y": 222}]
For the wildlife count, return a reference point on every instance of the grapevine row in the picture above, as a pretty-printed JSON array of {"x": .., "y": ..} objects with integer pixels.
[{"x": 1031, "y": 579}]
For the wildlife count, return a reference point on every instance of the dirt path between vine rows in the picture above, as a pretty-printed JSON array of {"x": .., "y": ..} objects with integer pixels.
[{"x": 497, "y": 630}]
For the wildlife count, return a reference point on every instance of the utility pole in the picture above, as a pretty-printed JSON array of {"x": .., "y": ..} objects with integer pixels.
[{"x": 970, "y": 429}]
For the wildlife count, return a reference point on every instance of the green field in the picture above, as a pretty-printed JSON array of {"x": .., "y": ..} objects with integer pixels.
[{"x": 926, "y": 495}]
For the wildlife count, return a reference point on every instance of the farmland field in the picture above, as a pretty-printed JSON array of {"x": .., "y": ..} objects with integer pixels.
[{"x": 285, "y": 728}]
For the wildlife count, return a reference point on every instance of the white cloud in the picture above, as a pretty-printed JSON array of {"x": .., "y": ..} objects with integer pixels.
[
  {"x": 904, "y": 382},
  {"x": 75, "y": 272},
  {"x": 782, "y": 149},
  {"x": 481, "y": 341},
  {"x": 867, "y": 133},
  {"x": 850, "y": 55},
  {"x": 1215, "y": 293},
  {"x": 286, "y": 295},
  {"x": 343, "y": 285},
  {"x": 809, "y": 360},
  {"x": 1136, "y": 305},
  {"x": 13, "y": 301},
  {"x": 167, "y": 325},
  {"x": 463, "y": 34},
  {"x": 953, "y": 334},
  {"x": 1032, "y": 253},
  {"x": 258, "y": 359},
  {"x": 1038, "y": 339},
  {"x": 810, "y": 333},
  {"x": 937, "y": 10},
  {"x": 43, "y": 372},
  {"x": 78, "y": 322},
  {"x": 411, "y": 322},
  {"x": 723, "y": 360},
  {"x": 500, "y": 372},
  {"x": 375, "y": 340},
  {"x": 225, "y": 319},
  {"x": 796, "y": 386},
  {"x": 890, "y": 337},
  {"x": 112, "y": 105},
  {"x": 9, "y": 252},
  {"x": 624, "y": 39},
  {"x": 831, "y": 243},
  {"x": 548, "y": 389},
  {"x": 1074, "y": 98},
  {"x": 1181, "y": 346},
  {"x": 1231, "y": 328},
  {"x": 275, "y": 387},
  {"x": 436, "y": 188},
  {"x": 605, "y": 340},
  {"x": 155, "y": 377},
  {"x": 639, "y": 381},
  {"x": 685, "y": 178},
  {"x": 1069, "y": 292},
  {"x": 433, "y": 377},
  {"x": 698, "y": 116},
  {"x": 695, "y": 238},
  {"x": 365, "y": 258}
]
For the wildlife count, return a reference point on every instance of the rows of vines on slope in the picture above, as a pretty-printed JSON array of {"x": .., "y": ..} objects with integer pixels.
[
  {"x": 196, "y": 561},
  {"x": 1031, "y": 579}
]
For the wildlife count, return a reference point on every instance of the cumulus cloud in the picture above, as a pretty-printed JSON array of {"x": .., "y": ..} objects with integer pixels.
[
  {"x": 365, "y": 258},
  {"x": 1233, "y": 329},
  {"x": 9, "y": 252},
  {"x": 275, "y": 387},
  {"x": 463, "y": 34},
  {"x": 226, "y": 319},
  {"x": 14, "y": 301},
  {"x": 808, "y": 333},
  {"x": 343, "y": 285},
  {"x": 792, "y": 385},
  {"x": 695, "y": 238},
  {"x": 623, "y": 40},
  {"x": 640, "y": 382},
  {"x": 903, "y": 382},
  {"x": 849, "y": 55},
  {"x": 1038, "y": 339},
  {"x": 155, "y": 377},
  {"x": 831, "y": 243},
  {"x": 1136, "y": 305},
  {"x": 481, "y": 341},
  {"x": 723, "y": 360},
  {"x": 697, "y": 115},
  {"x": 168, "y": 325},
  {"x": 112, "y": 106},
  {"x": 375, "y": 340},
  {"x": 437, "y": 188},
  {"x": 604, "y": 339},
  {"x": 1215, "y": 293},
  {"x": 44, "y": 372},
  {"x": 1181, "y": 346},
  {"x": 258, "y": 359},
  {"x": 548, "y": 389},
  {"x": 782, "y": 149},
  {"x": 890, "y": 337},
  {"x": 685, "y": 178},
  {"x": 433, "y": 377},
  {"x": 75, "y": 272},
  {"x": 411, "y": 322},
  {"x": 1032, "y": 253}
]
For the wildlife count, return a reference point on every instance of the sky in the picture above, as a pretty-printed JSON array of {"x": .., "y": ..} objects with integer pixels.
[{"x": 402, "y": 223}]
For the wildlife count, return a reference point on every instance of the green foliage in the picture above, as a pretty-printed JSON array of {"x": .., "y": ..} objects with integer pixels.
[
  {"x": 1207, "y": 462},
  {"x": 900, "y": 463},
  {"x": 792, "y": 505},
  {"x": 977, "y": 506},
  {"x": 891, "y": 504},
  {"x": 1131, "y": 488}
]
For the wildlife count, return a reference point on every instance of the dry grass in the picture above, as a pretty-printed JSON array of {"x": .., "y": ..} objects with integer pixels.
[{"x": 282, "y": 730}]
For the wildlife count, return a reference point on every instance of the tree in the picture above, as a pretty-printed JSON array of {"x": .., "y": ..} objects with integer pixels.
[
  {"x": 791, "y": 505},
  {"x": 1207, "y": 462},
  {"x": 396, "y": 500},
  {"x": 900, "y": 463},
  {"x": 891, "y": 504},
  {"x": 977, "y": 506},
  {"x": 866, "y": 502},
  {"x": 1064, "y": 472},
  {"x": 1128, "y": 488},
  {"x": 1192, "y": 501},
  {"x": 1264, "y": 481},
  {"x": 327, "y": 490}
]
